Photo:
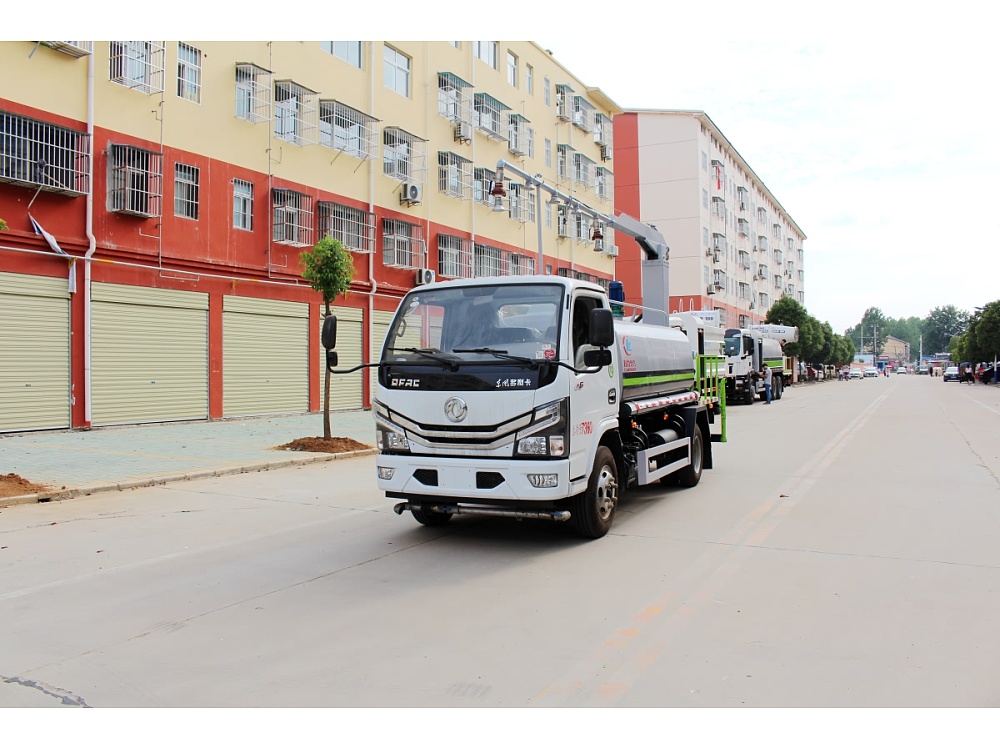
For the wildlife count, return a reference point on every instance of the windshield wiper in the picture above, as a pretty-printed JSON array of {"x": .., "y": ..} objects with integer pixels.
[
  {"x": 499, "y": 354},
  {"x": 429, "y": 353}
]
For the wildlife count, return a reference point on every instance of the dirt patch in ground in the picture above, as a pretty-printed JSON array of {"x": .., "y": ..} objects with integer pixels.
[
  {"x": 12, "y": 485},
  {"x": 322, "y": 445}
]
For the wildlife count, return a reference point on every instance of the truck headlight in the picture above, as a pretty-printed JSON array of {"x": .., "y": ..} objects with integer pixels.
[
  {"x": 546, "y": 435},
  {"x": 389, "y": 436}
]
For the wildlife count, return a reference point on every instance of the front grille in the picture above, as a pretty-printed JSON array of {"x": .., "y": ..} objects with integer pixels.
[
  {"x": 428, "y": 477},
  {"x": 487, "y": 480}
]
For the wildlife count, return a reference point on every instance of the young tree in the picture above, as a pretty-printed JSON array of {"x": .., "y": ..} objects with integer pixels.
[{"x": 329, "y": 269}]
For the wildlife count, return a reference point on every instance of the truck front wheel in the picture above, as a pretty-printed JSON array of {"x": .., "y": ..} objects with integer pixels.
[
  {"x": 593, "y": 511},
  {"x": 429, "y": 517},
  {"x": 690, "y": 475}
]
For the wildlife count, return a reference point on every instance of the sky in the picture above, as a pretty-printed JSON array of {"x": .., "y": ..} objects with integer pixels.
[
  {"x": 884, "y": 153},
  {"x": 873, "y": 123}
]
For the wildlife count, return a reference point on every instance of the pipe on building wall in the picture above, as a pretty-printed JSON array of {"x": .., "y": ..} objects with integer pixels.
[{"x": 91, "y": 249}]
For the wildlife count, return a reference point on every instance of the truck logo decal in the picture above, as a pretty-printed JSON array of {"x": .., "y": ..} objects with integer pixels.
[
  {"x": 626, "y": 344},
  {"x": 455, "y": 409},
  {"x": 405, "y": 382},
  {"x": 584, "y": 428}
]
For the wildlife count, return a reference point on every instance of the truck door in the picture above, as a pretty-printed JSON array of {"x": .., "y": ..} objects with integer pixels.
[{"x": 589, "y": 401}]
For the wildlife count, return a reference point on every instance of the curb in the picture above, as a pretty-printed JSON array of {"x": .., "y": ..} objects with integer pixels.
[{"x": 158, "y": 479}]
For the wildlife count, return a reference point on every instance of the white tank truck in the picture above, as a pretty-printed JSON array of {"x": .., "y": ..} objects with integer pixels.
[
  {"x": 525, "y": 397},
  {"x": 783, "y": 335},
  {"x": 747, "y": 350}
]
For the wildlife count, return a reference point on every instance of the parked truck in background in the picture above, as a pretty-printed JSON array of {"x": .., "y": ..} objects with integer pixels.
[
  {"x": 747, "y": 351},
  {"x": 526, "y": 397}
]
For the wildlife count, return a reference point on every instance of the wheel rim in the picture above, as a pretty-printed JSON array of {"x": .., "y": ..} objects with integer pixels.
[
  {"x": 607, "y": 493},
  {"x": 696, "y": 455}
]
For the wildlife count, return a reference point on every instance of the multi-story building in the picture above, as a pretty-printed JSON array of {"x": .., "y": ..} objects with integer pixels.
[
  {"x": 158, "y": 196},
  {"x": 733, "y": 247}
]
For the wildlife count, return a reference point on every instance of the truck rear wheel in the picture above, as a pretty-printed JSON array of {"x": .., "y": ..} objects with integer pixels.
[
  {"x": 690, "y": 475},
  {"x": 429, "y": 517},
  {"x": 593, "y": 511}
]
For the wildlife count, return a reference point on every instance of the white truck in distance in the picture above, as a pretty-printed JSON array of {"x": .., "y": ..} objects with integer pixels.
[{"x": 523, "y": 397}]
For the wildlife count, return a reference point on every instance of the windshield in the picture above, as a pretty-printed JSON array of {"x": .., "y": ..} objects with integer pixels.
[
  {"x": 443, "y": 325},
  {"x": 733, "y": 345}
]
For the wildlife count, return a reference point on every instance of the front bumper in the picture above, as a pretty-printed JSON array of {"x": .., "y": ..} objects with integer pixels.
[{"x": 477, "y": 481}]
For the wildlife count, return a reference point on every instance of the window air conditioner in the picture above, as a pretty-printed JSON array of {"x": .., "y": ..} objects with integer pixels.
[
  {"x": 425, "y": 276},
  {"x": 612, "y": 250},
  {"x": 605, "y": 153},
  {"x": 463, "y": 131},
  {"x": 411, "y": 194}
]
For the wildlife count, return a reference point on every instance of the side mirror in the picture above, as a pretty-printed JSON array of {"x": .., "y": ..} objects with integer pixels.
[
  {"x": 602, "y": 327},
  {"x": 597, "y": 358},
  {"x": 329, "y": 335},
  {"x": 331, "y": 358}
]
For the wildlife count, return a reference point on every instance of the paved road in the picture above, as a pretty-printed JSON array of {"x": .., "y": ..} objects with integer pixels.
[{"x": 842, "y": 553}]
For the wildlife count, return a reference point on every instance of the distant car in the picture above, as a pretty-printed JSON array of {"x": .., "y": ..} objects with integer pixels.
[
  {"x": 922, "y": 370},
  {"x": 855, "y": 375},
  {"x": 871, "y": 372},
  {"x": 951, "y": 373},
  {"x": 900, "y": 370}
]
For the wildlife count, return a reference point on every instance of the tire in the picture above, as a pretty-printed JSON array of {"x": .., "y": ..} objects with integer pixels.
[
  {"x": 690, "y": 475},
  {"x": 748, "y": 394},
  {"x": 429, "y": 517},
  {"x": 777, "y": 388},
  {"x": 593, "y": 511}
]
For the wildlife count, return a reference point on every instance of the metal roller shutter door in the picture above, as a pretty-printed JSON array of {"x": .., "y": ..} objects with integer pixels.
[
  {"x": 346, "y": 391},
  {"x": 265, "y": 356},
  {"x": 34, "y": 353},
  {"x": 149, "y": 354}
]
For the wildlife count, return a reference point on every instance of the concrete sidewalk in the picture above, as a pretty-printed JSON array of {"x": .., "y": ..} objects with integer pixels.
[{"x": 77, "y": 463}]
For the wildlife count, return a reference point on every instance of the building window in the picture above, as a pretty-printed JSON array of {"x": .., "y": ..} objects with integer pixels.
[
  {"x": 520, "y": 206},
  {"x": 529, "y": 79},
  {"x": 604, "y": 183},
  {"x": 547, "y": 91},
  {"x": 512, "y": 69},
  {"x": 352, "y": 227},
  {"x": 403, "y": 156},
  {"x": 548, "y": 217},
  {"x": 454, "y": 175},
  {"x": 138, "y": 65},
  {"x": 186, "y": 191},
  {"x": 564, "y": 106},
  {"x": 346, "y": 129},
  {"x": 583, "y": 170},
  {"x": 454, "y": 257},
  {"x": 517, "y": 135},
  {"x": 402, "y": 244},
  {"x": 562, "y": 160},
  {"x": 349, "y": 52},
  {"x": 36, "y": 154},
  {"x": 583, "y": 114},
  {"x": 253, "y": 93},
  {"x": 548, "y": 153},
  {"x": 531, "y": 143},
  {"x": 188, "y": 72},
  {"x": 243, "y": 205},
  {"x": 487, "y": 52},
  {"x": 704, "y": 162},
  {"x": 490, "y": 116},
  {"x": 396, "y": 71},
  {"x": 488, "y": 261},
  {"x": 520, "y": 265},
  {"x": 294, "y": 113},
  {"x": 482, "y": 183},
  {"x": 454, "y": 98},
  {"x": 135, "y": 181},
  {"x": 293, "y": 218}
]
